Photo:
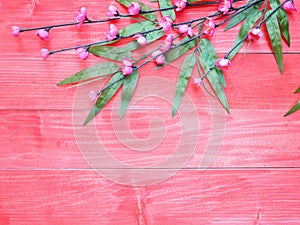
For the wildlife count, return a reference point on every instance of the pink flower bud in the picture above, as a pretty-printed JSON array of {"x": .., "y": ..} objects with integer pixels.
[
  {"x": 160, "y": 58},
  {"x": 290, "y": 7},
  {"x": 43, "y": 35},
  {"x": 180, "y": 4},
  {"x": 112, "y": 32},
  {"x": 112, "y": 11},
  {"x": 93, "y": 96},
  {"x": 223, "y": 64},
  {"x": 190, "y": 32},
  {"x": 169, "y": 38},
  {"x": 224, "y": 6},
  {"x": 127, "y": 66},
  {"x": 255, "y": 34},
  {"x": 81, "y": 16},
  {"x": 15, "y": 31},
  {"x": 82, "y": 53},
  {"x": 183, "y": 28},
  {"x": 44, "y": 53},
  {"x": 134, "y": 8},
  {"x": 166, "y": 23},
  {"x": 140, "y": 39},
  {"x": 208, "y": 27},
  {"x": 166, "y": 44}
]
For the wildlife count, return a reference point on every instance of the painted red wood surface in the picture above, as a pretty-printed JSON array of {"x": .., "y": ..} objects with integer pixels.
[{"x": 252, "y": 177}]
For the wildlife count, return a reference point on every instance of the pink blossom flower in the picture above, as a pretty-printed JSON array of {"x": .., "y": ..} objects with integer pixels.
[
  {"x": 112, "y": 32},
  {"x": 209, "y": 27},
  {"x": 127, "y": 67},
  {"x": 134, "y": 8},
  {"x": 160, "y": 59},
  {"x": 166, "y": 44},
  {"x": 112, "y": 11},
  {"x": 15, "y": 31},
  {"x": 190, "y": 32},
  {"x": 183, "y": 28},
  {"x": 166, "y": 23},
  {"x": 44, "y": 53},
  {"x": 43, "y": 35},
  {"x": 224, "y": 6},
  {"x": 198, "y": 81},
  {"x": 223, "y": 64},
  {"x": 93, "y": 96},
  {"x": 255, "y": 34},
  {"x": 140, "y": 39},
  {"x": 82, "y": 53},
  {"x": 180, "y": 4},
  {"x": 289, "y": 6},
  {"x": 81, "y": 16}
]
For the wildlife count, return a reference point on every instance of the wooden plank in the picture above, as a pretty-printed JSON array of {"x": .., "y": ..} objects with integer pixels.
[
  {"x": 190, "y": 197},
  {"x": 251, "y": 83},
  {"x": 246, "y": 138}
]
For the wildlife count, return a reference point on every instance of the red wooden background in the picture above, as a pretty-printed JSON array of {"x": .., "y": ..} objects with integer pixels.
[{"x": 253, "y": 178}]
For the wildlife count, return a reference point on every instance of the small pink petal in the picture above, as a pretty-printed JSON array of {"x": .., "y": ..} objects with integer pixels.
[
  {"x": 134, "y": 8},
  {"x": 15, "y": 31},
  {"x": 44, "y": 53}
]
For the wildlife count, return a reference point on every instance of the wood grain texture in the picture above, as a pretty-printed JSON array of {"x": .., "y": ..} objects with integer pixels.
[{"x": 249, "y": 160}]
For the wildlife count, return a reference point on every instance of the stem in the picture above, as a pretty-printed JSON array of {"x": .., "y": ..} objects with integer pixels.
[{"x": 110, "y": 85}]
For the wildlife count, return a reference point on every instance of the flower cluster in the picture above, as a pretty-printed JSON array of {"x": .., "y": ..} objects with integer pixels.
[{"x": 190, "y": 34}]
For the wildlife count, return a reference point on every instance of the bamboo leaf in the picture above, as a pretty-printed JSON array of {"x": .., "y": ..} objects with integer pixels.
[
  {"x": 109, "y": 52},
  {"x": 135, "y": 28},
  {"x": 213, "y": 76},
  {"x": 166, "y": 4},
  {"x": 283, "y": 21},
  {"x": 91, "y": 72},
  {"x": 294, "y": 109},
  {"x": 129, "y": 86},
  {"x": 183, "y": 78},
  {"x": 175, "y": 53},
  {"x": 275, "y": 37},
  {"x": 105, "y": 96},
  {"x": 297, "y": 91},
  {"x": 144, "y": 7},
  {"x": 249, "y": 22}
]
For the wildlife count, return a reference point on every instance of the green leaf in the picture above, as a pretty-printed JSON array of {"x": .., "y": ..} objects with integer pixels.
[
  {"x": 144, "y": 7},
  {"x": 175, "y": 53},
  {"x": 135, "y": 28},
  {"x": 294, "y": 109},
  {"x": 213, "y": 76},
  {"x": 297, "y": 91},
  {"x": 129, "y": 86},
  {"x": 183, "y": 78},
  {"x": 153, "y": 36},
  {"x": 236, "y": 20},
  {"x": 167, "y": 4},
  {"x": 105, "y": 96},
  {"x": 275, "y": 37},
  {"x": 109, "y": 52},
  {"x": 212, "y": 58},
  {"x": 283, "y": 20},
  {"x": 249, "y": 22},
  {"x": 91, "y": 72}
]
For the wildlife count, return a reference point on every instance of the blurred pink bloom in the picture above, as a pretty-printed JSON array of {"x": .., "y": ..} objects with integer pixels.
[
  {"x": 112, "y": 32},
  {"x": 45, "y": 53},
  {"x": 134, "y": 8},
  {"x": 160, "y": 58},
  {"x": 224, "y": 6},
  {"x": 43, "y": 35},
  {"x": 93, "y": 96},
  {"x": 183, "y": 28},
  {"x": 140, "y": 39},
  {"x": 255, "y": 34},
  {"x": 169, "y": 38},
  {"x": 190, "y": 32},
  {"x": 82, "y": 53},
  {"x": 180, "y": 4},
  {"x": 81, "y": 16},
  {"x": 166, "y": 23},
  {"x": 209, "y": 27},
  {"x": 112, "y": 11},
  {"x": 223, "y": 64},
  {"x": 127, "y": 66},
  {"x": 290, "y": 7},
  {"x": 15, "y": 31},
  {"x": 166, "y": 44},
  {"x": 198, "y": 81}
]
